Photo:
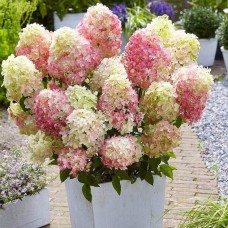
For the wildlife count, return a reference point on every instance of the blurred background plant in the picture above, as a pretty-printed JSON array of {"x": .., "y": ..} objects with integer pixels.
[
  {"x": 201, "y": 21},
  {"x": 222, "y": 33},
  {"x": 19, "y": 177},
  {"x": 138, "y": 17},
  {"x": 13, "y": 15},
  {"x": 160, "y": 8},
  {"x": 209, "y": 214},
  {"x": 218, "y": 5}
]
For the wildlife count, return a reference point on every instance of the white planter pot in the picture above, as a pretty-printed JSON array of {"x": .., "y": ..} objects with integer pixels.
[
  {"x": 72, "y": 20},
  {"x": 69, "y": 20},
  {"x": 140, "y": 205},
  {"x": 207, "y": 51},
  {"x": 31, "y": 212},
  {"x": 225, "y": 58}
]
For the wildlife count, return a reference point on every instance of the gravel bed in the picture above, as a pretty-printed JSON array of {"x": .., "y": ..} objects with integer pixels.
[{"x": 212, "y": 130}]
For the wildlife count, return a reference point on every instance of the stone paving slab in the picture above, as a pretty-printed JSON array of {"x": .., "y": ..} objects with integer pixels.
[{"x": 192, "y": 180}]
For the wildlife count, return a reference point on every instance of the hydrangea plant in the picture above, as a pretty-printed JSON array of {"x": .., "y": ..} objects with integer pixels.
[{"x": 100, "y": 116}]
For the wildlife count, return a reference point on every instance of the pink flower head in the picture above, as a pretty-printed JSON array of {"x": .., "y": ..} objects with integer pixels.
[
  {"x": 120, "y": 152},
  {"x": 192, "y": 85},
  {"x": 34, "y": 43},
  {"x": 84, "y": 128},
  {"x": 119, "y": 103},
  {"x": 74, "y": 159},
  {"x": 145, "y": 59},
  {"x": 71, "y": 57},
  {"x": 103, "y": 29},
  {"x": 160, "y": 139},
  {"x": 51, "y": 110}
]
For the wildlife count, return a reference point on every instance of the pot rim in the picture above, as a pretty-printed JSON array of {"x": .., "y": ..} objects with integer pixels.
[{"x": 223, "y": 49}]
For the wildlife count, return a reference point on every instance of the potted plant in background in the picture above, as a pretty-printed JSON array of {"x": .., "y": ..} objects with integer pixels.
[
  {"x": 217, "y": 6},
  {"x": 23, "y": 197},
  {"x": 203, "y": 22},
  {"x": 132, "y": 19},
  {"x": 222, "y": 34},
  {"x": 139, "y": 15},
  {"x": 109, "y": 122}
]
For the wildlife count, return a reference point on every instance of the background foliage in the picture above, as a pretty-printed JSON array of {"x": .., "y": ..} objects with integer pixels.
[
  {"x": 13, "y": 15},
  {"x": 201, "y": 21},
  {"x": 209, "y": 214},
  {"x": 214, "y": 4}
]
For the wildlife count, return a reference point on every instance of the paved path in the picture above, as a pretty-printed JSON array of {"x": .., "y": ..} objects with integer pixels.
[{"x": 192, "y": 180}]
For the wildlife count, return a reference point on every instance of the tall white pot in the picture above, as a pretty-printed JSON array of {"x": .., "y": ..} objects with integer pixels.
[
  {"x": 225, "y": 58},
  {"x": 31, "y": 212},
  {"x": 69, "y": 20},
  {"x": 207, "y": 51},
  {"x": 72, "y": 20},
  {"x": 140, "y": 205}
]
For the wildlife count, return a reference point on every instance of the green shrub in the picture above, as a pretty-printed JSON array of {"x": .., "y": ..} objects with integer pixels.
[
  {"x": 13, "y": 15},
  {"x": 201, "y": 21},
  {"x": 218, "y": 5},
  {"x": 209, "y": 214},
  {"x": 138, "y": 17},
  {"x": 222, "y": 33}
]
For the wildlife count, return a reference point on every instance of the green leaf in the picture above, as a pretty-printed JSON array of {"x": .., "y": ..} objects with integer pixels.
[
  {"x": 154, "y": 162},
  {"x": 116, "y": 184},
  {"x": 53, "y": 162},
  {"x": 179, "y": 121},
  {"x": 86, "y": 190},
  {"x": 45, "y": 82},
  {"x": 143, "y": 170},
  {"x": 43, "y": 9},
  {"x": 64, "y": 174},
  {"x": 97, "y": 164},
  {"x": 123, "y": 175},
  {"x": 22, "y": 104},
  {"x": 149, "y": 178},
  {"x": 85, "y": 178},
  {"x": 165, "y": 158},
  {"x": 167, "y": 170},
  {"x": 55, "y": 156},
  {"x": 172, "y": 154}
]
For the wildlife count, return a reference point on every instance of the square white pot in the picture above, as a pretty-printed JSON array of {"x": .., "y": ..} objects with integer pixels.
[
  {"x": 31, "y": 212},
  {"x": 207, "y": 52},
  {"x": 69, "y": 20},
  {"x": 140, "y": 205},
  {"x": 225, "y": 58}
]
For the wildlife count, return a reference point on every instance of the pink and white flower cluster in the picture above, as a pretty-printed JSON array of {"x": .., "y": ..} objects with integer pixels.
[
  {"x": 34, "y": 43},
  {"x": 160, "y": 138},
  {"x": 102, "y": 29},
  {"x": 79, "y": 100}
]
